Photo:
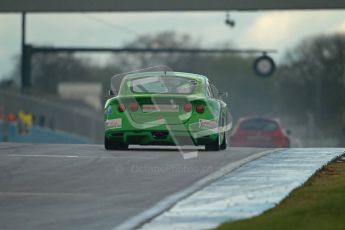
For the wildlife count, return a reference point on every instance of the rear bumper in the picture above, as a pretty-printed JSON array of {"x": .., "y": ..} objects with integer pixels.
[
  {"x": 160, "y": 137},
  {"x": 196, "y": 131}
]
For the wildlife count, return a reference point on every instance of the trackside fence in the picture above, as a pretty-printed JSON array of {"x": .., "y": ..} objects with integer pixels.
[{"x": 55, "y": 115}]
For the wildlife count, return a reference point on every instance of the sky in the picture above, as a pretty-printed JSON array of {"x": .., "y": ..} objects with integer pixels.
[{"x": 280, "y": 30}]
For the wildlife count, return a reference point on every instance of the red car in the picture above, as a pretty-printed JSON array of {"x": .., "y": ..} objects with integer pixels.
[{"x": 259, "y": 132}]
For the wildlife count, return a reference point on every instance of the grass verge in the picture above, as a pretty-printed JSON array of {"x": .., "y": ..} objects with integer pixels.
[{"x": 319, "y": 204}]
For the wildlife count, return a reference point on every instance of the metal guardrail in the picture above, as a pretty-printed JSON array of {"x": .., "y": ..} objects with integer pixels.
[{"x": 55, "y": 115}]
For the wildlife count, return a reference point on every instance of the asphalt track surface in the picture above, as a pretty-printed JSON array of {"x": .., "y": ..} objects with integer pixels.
[{"x": 85, "y": 187}]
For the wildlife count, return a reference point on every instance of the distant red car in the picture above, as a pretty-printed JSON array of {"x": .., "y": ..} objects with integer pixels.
[{"x": 259, "y": 132}]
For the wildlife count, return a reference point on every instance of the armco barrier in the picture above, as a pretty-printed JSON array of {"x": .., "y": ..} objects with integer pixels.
[
  {"x": 56, "y": 115},
  {"x": 41, "y": 135}
]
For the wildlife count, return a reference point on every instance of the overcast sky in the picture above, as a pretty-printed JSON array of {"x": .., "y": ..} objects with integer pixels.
[{"x": 279, "y": 30}]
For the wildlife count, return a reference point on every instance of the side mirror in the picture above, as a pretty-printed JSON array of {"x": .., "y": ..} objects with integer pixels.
[
  {"x": 223, "y": 94},
  {"x": 111, "y": 93},
  {"x": 288, "y": 132}
]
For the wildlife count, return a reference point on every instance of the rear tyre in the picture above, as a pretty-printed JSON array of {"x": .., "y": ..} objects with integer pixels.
[
  {"x": 224, "y": 143},
  {"x": 216, "y": 145},
  {"x": 213, "y": 146},
  {"x": 114, "y": 145}
]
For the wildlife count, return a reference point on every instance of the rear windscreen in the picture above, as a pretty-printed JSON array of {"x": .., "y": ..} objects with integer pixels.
[
  {"x": 259, "y": 125},
  {"x": 165, "y": 84}
]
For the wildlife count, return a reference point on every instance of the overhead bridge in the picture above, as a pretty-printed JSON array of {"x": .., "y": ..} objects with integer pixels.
[{"x": 159, "y": 5}]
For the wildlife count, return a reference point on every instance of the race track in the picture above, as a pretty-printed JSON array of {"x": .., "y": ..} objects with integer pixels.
[{"x": 86, "y": 187}]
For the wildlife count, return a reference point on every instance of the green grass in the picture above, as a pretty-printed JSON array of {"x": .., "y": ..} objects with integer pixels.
[{"x": 319, "y": 204}]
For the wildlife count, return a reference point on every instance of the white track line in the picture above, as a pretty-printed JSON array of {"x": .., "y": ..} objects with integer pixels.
[
  {"x": 44, "y": 194},
  {"x": 76, "y": 156},
  {"x": 169, "y": 201},
  {"x": 37, "y": 155}
]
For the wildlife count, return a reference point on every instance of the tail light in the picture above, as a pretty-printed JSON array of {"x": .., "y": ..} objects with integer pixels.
[
  {"x": 134, "y": 106},
  {"x": 121, "y": 108},
  {"x": 188, "y": 107},
  {"x": 200, "y": 108}
]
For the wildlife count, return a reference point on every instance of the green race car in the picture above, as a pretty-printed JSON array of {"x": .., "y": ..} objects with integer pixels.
[{"x": 166, "y": 108}]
